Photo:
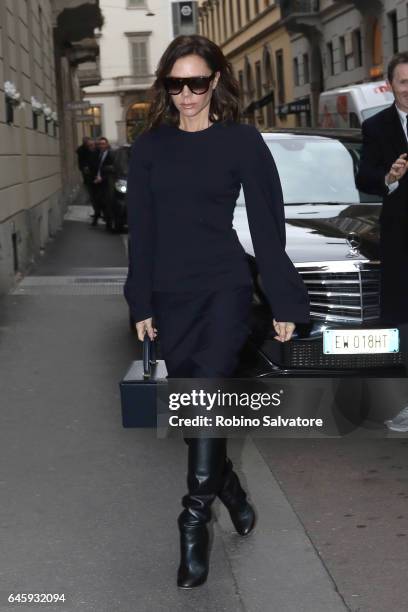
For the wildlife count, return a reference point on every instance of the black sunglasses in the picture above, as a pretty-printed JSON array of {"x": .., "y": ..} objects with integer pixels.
[{"x": 197, "y": 85}]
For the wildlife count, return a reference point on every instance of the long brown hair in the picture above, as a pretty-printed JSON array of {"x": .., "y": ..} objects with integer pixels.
[{"x": 225, "y": 100}]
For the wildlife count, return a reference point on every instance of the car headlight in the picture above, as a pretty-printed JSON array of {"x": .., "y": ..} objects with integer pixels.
[{"x": 121, "y": 185}]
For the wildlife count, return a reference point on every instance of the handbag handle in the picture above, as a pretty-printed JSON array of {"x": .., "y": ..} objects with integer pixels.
[{"x": 149, "y": 355}]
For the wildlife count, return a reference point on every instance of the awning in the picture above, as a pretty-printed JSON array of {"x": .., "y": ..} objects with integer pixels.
[
  {"x": 295, "y": 108},
  {"x": 259, "y": 103}
]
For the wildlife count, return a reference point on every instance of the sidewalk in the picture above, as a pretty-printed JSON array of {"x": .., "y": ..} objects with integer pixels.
[{"x": 89, "y": 509}]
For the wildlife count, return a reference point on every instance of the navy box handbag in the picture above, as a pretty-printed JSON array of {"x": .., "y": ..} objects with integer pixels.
[{"x": 138, "y": 389}]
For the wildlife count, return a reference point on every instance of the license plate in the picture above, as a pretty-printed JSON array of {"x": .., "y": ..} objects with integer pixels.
[{"x": 358, "y": 341}]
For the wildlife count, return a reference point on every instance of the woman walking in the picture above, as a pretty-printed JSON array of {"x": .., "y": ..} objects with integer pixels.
[{"x": 188, "y": 272}]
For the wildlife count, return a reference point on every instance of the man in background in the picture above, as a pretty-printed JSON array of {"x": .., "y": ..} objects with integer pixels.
[
  {"x": 383, "y": 172},
  {"x": 87, "y": 154},
  {"x": 103, "y": 177}
]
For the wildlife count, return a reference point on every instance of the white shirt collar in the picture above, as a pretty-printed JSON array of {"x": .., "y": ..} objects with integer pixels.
[{"x": 402, "y": 115}]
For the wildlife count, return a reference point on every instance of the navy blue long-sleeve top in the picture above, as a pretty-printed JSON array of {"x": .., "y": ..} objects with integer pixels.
[{"x": 182, "y": 190}]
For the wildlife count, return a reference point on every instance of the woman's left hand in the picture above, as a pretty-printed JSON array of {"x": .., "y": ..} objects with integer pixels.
[{"x": 284, "y": 330}]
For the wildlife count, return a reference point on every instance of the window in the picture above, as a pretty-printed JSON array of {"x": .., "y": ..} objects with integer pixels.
[
  {"x": 139, "y": 58},
  {"x": 270, "y": 112},
  {"x": 231, "y": 16},
  {"x": 136, "y": 4},
  {"x": 9, "y": 111},
  {"x": 306, "y": 70},
  {"x": 247, "y": 11},
  {"x": 250, "y": 90},
  {"x": 342, "y": 53},
  {"x": 256, "y": 5},
  {"x": 377, "y": 50},
  {"x": 319, "y": 158},
  {"x": 212, "y": 23},
  {"x": 357, "y": 49},
  {"x": 258, "y": 80},
  {"x": 346, "y": 52},
  {"x": 224, "y": 19},
  {"x": 94, "y": 123},
  {"x": 296, "y": 71},
  {"x": 241, "y": 82},
  {"x": 330, "y": 58},
  {"x": 41, "y": 35},
  {"x": 205, "y": 24},
  {"x": 393, "y": 30},
  {"x": 218, "y": 17},
  {"x": 239, "y": 13},
  {"x": 135, "y": 121},
  {"x": 40, "y": 23},
  {"x": 139, "y": 54},
  {"x": 280, "y": 76}
]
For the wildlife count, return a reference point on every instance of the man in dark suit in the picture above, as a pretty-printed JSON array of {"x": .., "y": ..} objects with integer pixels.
[
  {"x": 383, "y": 171},
  {"x": 84, "y": 153},
  {"x": 87, "y": 154},
  {"x": 103, "y": 176}
]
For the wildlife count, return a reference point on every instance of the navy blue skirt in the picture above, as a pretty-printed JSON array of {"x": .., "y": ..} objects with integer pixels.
[{"x": 202, "y": 333}]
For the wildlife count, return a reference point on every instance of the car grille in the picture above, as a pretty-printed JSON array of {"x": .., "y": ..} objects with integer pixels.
[{"x": 343, "y": 291}]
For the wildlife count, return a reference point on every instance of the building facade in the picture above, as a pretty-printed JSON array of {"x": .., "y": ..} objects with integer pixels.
[
  {"x": 134, "y": 36},
  {"x": 37, "y": 79},
  {"x": 253, "y": 39},
  {"x": 339, "y": 42}
]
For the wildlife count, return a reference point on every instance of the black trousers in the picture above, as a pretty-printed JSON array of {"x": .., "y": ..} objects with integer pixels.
[
  {"x": 90, "y": 188},
  {"x": 99, "y": 198}
]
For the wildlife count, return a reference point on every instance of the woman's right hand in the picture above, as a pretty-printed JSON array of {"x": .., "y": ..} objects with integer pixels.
[{"x": 145, "y": 326}]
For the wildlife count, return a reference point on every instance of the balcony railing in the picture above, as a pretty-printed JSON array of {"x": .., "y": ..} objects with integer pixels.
[
  {"x": 89, "y": 74},
  {"x": 290, "y": 8}
]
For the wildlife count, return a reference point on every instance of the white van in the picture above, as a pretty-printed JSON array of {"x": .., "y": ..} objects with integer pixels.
[{"x": 350, "y": 106}]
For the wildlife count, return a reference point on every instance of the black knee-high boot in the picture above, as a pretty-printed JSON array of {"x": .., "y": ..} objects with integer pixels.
[
  {"x": 206, "y": 462},
  {"x": 234, "y": 498}
]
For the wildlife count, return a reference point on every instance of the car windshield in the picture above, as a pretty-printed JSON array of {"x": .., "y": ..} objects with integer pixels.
[{"x": 316, "y": 170}]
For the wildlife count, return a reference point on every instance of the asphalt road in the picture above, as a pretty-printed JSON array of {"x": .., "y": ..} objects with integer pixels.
[{"x": 89, "y": 509}]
